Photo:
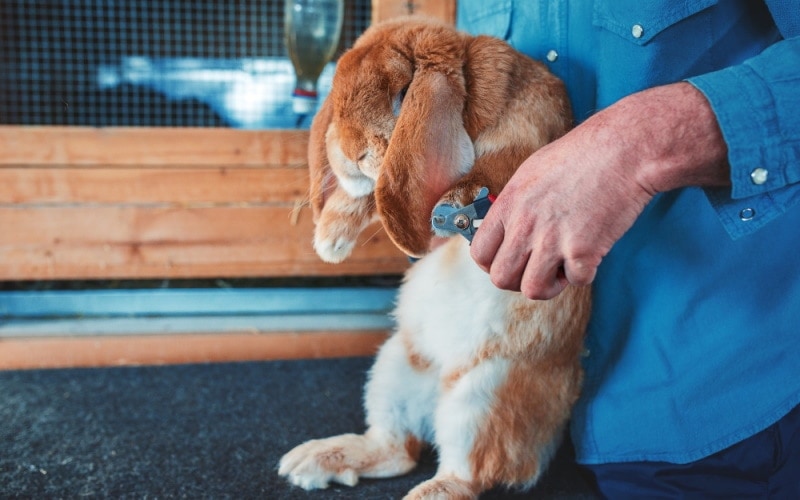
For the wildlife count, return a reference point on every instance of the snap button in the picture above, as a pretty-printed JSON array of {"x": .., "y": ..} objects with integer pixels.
[
  {"x": 637, "y": 31},
  {"x": 759, "y": 176},
  {"x": 552, "y": 55},
  {"x": 747, "y": 214}
]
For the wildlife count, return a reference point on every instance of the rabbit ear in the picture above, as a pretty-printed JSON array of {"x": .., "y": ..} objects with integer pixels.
[
  {"x": 339, "y": 217},
  {"x": 322, "y": 181},
  {"x": 428, "y": 151}
]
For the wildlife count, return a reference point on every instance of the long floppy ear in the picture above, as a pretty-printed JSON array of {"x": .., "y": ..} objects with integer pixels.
[
  {"x": 339, "y": 218},
  {"x": 428, "y": 151},
  {"x": 322, "y": 182}
]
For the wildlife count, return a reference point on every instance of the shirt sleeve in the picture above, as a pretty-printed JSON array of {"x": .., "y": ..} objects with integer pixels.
[{"x": 757, "y": 105}]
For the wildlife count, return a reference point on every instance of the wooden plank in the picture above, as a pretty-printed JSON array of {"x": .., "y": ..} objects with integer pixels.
[
  {"x": 213, "y": 185},
  {"x": 84, "y": 242},
  {"x": 442, "y": 9},
  {"x": 56, "y": 352},
  {"x": 151, "y": 146},
  {"x": 83, "y": 203}
]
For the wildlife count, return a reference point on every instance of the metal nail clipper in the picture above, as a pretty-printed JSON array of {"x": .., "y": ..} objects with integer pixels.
[{"x": 466, "y": 220}]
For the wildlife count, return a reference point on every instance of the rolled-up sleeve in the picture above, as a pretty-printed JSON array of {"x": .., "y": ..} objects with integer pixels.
[{"x": 757, "y": 104}]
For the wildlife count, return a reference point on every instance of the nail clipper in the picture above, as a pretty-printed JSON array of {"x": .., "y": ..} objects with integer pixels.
[{"x": 466, "y": 220}]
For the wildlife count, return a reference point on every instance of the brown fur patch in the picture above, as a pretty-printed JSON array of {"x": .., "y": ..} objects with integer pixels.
[
  {"x": 337, "y": 461},
  {"x": 532, "y": 406},
  {"x": 490, "y": 350},
  {"x": 413, "y": 447},
  {"x": 527, "y": 417},
  {"x": 450, "y": 379},
  {"x": 416, "y": 360},
  {"x": 321, "y": 177}
]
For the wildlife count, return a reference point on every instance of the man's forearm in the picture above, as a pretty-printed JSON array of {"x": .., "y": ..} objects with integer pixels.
[{"x": 671, "y": 136}]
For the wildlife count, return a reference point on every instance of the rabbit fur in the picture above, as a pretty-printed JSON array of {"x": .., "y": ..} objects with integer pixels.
[{"x": 420, "y": 114}]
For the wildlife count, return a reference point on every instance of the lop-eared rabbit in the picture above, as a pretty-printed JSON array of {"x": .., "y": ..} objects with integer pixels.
[{"x": 420, "y": 115}]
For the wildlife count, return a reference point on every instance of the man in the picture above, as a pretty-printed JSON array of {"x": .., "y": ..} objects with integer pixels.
[{"x": 677, "y": 201}]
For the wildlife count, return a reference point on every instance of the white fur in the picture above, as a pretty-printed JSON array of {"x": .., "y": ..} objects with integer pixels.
[
  {"x": 357, "y": 185},
  {"x": 335, "y": 250},
  {"x": 451, "y": 305},
  {"x": 352, "y": 179},
  {"x": 397, "y": 396},
  {"x": 466, "y": 152},
  {"x": 449, "y": 308},
  {"x": 460, "y": 413},
  {"x": 336, "y": 234}
]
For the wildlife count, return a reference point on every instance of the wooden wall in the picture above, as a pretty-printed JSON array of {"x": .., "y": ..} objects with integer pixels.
[{"x": 83, "y": 203}]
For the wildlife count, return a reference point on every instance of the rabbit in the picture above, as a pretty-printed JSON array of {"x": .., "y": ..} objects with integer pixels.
[{"x": 419, "y": 115}]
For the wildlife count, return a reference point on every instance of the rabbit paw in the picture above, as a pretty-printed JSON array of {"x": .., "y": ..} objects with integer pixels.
[
  {"x": 343, "y": 459},
  {"x": 443, "y": 217},
  {"x": 315, "y": 464},
  {"x": 334, "y": 249},
  {"x": 340, "y": 224},
  {"x": 442, "y": 488},
  {"x": 460, "y": 196},
  {"x": 336, "y": 234}
]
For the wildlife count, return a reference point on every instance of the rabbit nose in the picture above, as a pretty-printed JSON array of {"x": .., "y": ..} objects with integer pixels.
[{"x": 368, "y": 165}]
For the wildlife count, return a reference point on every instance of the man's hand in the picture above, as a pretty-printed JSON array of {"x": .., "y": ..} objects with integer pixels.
[{"x": 573, "y": 199}]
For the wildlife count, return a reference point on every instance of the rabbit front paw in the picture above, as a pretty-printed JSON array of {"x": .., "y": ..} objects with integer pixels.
[
  {"x": 448, "y": 218},
  {"x": 336, "y": 234},
  {"x": 461, "y": 194},
  {"x": 334, "y": 249},
  {"x": 340, "y": 224}
]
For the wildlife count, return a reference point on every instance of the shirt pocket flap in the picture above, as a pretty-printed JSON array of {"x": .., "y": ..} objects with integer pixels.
[
  {"x": 639, "y": 21},
  {"x": 485, "y": 18}
]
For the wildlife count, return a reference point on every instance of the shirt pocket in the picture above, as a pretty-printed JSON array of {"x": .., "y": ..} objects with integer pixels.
[
  {"x": 485, "y": 18},
  {"x": 641, "y": 22}
]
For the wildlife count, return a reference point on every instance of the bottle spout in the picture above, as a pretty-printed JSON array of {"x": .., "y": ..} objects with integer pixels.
[{"x": 304, "y": 102}]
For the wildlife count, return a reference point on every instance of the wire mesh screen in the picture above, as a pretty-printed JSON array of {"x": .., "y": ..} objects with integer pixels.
[{"x": 151, "y": 63}]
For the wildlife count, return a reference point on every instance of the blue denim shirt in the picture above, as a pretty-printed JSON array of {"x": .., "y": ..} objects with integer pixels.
[{"x": 695, "y": 333}]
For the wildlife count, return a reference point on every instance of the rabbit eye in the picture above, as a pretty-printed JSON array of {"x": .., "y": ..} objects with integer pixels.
[
  {"x": 398, "y": 101},
  {"x": 361, "y": 161}
]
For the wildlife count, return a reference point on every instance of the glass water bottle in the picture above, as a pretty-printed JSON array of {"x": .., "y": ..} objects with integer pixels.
[{"x": 312, "y": 30}]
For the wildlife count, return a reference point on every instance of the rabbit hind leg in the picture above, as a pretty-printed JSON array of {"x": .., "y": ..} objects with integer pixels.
[
  {"x": 399, "y": 402},
  {"x": 525, "y": 425},
  {"x": 498, "y": 423},
  {"x": 465, "y": 402},
  {"x": 344, "y": 458}
]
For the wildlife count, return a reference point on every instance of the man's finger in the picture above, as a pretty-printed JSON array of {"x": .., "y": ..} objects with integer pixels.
[
  {"x": 580, "y": 272},
  {"x": 542, "y": 279},
  {"x": 487, "y": 242}
]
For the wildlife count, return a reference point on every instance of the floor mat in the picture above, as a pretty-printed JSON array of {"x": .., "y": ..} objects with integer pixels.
[{"x": 195, "y": 431}]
